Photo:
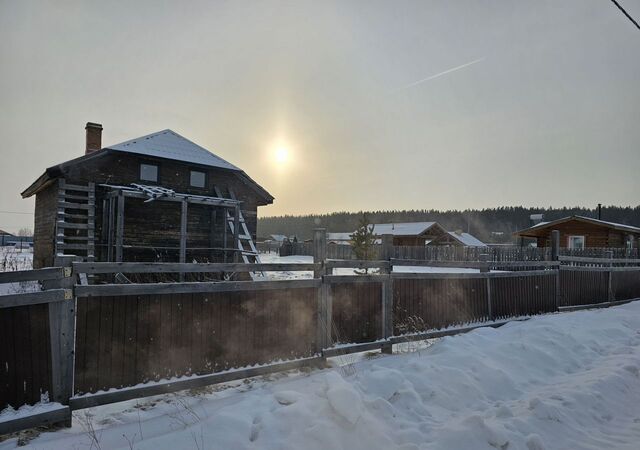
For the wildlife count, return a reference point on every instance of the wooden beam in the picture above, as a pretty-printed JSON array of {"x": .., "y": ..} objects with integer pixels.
[
  {"x": 59, "y": 414},
  {"x": 523, "y": 273},
  {"x": 132, "y": 267},
  {"x": 192, "y": 382},
  {"x": 106, "y": 290},
  {"x": 120, "y": 227},
  {"x": 236, "y": 232},
  {"x": 49, "y": 273},
  {"x": 183, "y": 231},
  {"x": 334, "y": 279},
  {"x": 319, "y": 250},
  {"x": 35, "y": 298}
]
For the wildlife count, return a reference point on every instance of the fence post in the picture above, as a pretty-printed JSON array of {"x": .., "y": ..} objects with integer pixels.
[
  {"x": 319, "y": 250},
  {"x": 610, "y": 295},
  {"x": 62, "y": 317},
  {"x": 484, "y": 268},
  {"x": 387, "y": 293},
  {"x": 555, "y": 256}
]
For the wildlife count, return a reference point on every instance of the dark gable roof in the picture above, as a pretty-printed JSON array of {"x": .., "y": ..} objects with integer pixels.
[
  {"x": 166, "y": 144},
  {"x": 534, "y": 230}
]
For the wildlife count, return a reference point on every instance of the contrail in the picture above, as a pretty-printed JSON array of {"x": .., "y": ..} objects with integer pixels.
[{"x": 415, "y": 83}]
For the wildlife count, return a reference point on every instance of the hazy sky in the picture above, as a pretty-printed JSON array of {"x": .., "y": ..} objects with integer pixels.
[{"x": 547, "y": 114}]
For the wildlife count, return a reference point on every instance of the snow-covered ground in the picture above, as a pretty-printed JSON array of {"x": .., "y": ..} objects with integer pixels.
[
  {"x": 11, "y": 260},
  {"x": 562, "y": 381},
  {"x": 275, "y": 258}
]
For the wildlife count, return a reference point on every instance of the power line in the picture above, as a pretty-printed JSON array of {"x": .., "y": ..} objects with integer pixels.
[
  {"x": 626, "y": 13},
  {"x": 15, "y": 212}
]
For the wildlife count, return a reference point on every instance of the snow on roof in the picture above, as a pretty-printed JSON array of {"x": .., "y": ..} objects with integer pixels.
[
  {"x": 619, "y": 226},
  {"x": 467, "y": 239},
  {"x": 339, "y": 236},
  {"x": 5, "y": 233},
  {"x": 278, "y": 237},
  {"x": 402, "y": 229},
  {"x": 170, "y": 145}
]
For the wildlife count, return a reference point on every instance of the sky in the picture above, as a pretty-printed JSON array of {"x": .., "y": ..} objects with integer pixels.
[{"x": 332, "y": 106}]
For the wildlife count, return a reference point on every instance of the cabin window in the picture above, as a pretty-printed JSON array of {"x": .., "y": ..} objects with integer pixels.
[
  {"x": 149, "y": 172},
  {"x": 576, "y": 242},
  {"x": 198, "y": 178}
]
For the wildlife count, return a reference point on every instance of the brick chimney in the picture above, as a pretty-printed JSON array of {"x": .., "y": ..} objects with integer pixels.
[{"x": 94, "y": 137}]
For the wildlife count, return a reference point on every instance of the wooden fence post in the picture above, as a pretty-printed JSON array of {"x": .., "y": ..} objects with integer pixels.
[
  {"x": 555, "y": 256},
  {"x": 387, "y": 293},
  {"x": 62, "y": 319},
  {"x": 610, "y": 294},
  {"x": 484, "y": 268},
  {"x": 319, "y": 250}
]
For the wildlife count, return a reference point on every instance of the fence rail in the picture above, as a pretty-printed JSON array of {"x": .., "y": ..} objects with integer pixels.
[{"x": 74, "y": 339}]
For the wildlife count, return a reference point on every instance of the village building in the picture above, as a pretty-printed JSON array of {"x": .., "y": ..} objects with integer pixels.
[
  {"x": 457, "y": 239},
  {"x": 159, "y": 197},
  {"x": 578, "y": 232},
  {"x": 410, "y": 233}
]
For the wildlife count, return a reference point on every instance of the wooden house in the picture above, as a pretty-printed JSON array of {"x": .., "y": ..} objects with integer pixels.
[
  {"x": 410, "y": 233},
  {"x": 457, "y": 239},
  {"x": 158, "y": 197},
  {"x": 577, "y": 232}
]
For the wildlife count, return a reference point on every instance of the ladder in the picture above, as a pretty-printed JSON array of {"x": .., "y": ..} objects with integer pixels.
[
  {"x": 248, "y": 251},
  {"x": 75, "y": 220}
]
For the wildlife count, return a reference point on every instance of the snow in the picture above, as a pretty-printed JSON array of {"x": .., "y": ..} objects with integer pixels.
[
  {"x": 12, "y": 259},
  {"x": 467, "y": 239},
  {"x": 561, "y": 381},
  {"x": 9, "y": 413}
]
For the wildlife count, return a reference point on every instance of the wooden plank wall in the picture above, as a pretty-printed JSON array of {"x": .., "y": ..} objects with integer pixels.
[
  {"x": 424, "y": 304},
  {"x": 583, "y": 287},
  {"x": 356, "y": 312},
  {"x": 625, "y": 285},
  {"x": 25, "y": 358},
  {"x": 522, "y": 296},
  {"x": 126, "y": 340}
]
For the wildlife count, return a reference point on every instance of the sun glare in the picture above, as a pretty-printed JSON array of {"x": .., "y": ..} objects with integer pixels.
[{"x": 282, "y": 155}]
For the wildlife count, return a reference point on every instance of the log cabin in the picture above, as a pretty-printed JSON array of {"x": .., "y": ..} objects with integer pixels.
[
  {"x": 410, "y": 233},
  {"x": 578, "y": 232},
  {"x": 159, "y": 197}
]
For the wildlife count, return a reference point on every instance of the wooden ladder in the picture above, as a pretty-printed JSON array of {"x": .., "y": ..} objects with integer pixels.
[
  {"x": 247, "y": 248},
  {"x": 75, "y": 220}
]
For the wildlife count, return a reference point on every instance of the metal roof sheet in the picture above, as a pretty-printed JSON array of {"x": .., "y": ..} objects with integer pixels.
[
  {"x": 467, "y": 239},
  {"x": 170, "y": 145},
  {"x": 402, "y": 229}
]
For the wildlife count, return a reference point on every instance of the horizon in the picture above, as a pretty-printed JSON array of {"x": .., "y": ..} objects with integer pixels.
[{"x": 334, "y": 106}]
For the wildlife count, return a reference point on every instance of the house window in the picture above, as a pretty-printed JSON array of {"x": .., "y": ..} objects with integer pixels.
[
  {"x": 149, "y": 172},
  {"x": 576, "y": 242},
  {"x": 198, "y": 179}
]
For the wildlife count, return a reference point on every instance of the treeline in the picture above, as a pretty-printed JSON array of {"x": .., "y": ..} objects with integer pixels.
[{"x": 489, "y": 225}]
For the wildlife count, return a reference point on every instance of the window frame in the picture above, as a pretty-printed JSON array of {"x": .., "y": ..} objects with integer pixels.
[
  {"x": 145, "y": 163},
  {"x": 571, "y": 241},
  {"x": 204, "y": 181}
]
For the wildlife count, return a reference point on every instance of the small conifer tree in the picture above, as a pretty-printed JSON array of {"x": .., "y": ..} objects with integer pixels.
[{"x": 363, "y": 240}]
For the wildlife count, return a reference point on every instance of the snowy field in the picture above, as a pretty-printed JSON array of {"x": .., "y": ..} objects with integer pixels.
[
  {"x": 562, "y": 381},
  {"x": 275, "y": 258},
  {"x": 12, "y": 260}
]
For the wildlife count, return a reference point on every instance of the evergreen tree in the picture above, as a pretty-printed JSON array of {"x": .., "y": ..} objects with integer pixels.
[{"x": 363, "y": 240}]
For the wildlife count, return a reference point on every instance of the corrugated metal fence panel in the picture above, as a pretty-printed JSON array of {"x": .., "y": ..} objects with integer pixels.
[
  {"x": 583, "y": 287},
  {"x": 625, "y": 285},
  {"x": 523, "y": 296},
  {"x": 438, "y": 303},
  {"x": 25, "y": 356},
  {"x": 356, "y": 312},
  {"x": 123, "y": 341}
]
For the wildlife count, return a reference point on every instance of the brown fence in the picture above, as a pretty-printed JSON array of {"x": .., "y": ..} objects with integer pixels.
[
  {"x": 126, "y": 340},
  {"x": 210, "y": 331}
]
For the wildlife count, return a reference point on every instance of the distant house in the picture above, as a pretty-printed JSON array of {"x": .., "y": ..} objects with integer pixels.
[
  {"x": 158, "y": 197},
  {"x": 278, "y": 238},
  {"x": 577, "y": 232},
  {"x": 410, "y": 233},
  {"x": 5, "y": 237},
  {"x": 458, "y": 239},
  {"x": 339, "y": 238}
]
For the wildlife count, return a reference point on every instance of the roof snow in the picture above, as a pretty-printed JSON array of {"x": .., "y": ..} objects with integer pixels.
[
  {"x": 467, "y": 239},
  {"x": 170, "y": 145},
  {"x": 339, "y": 236},
  {"x": 402, "y": 229},
  {"x": 619, "y": 226}
]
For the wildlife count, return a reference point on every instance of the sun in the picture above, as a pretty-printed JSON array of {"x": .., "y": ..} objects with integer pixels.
[{"x": 282, "y": 155}]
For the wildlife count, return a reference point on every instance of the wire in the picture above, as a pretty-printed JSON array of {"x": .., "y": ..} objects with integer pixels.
[
  {"x": 626, "y": 13},
  {"x": 15, "y": 212}
]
